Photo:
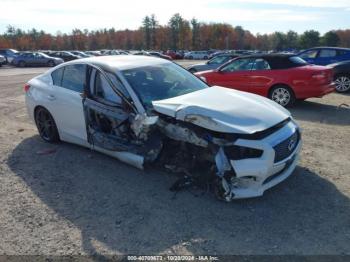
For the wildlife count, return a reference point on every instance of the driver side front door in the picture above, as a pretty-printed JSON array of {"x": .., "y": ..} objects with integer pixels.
[
  {"x": 106, "y": 114},
  {"x": 235, "y": 75}
]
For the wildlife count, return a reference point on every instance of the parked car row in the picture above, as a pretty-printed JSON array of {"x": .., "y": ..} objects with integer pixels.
[{"x": 318, "y": 56}]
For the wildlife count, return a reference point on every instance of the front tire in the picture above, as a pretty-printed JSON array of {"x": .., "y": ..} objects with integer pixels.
[
  {"x": 22, "y": 64},
  {"x": 51, "y": 63},
  {"x": 283, "y": 95},
  {"x": 342, "y": 83},
  {"x": 46, "y": 125}
]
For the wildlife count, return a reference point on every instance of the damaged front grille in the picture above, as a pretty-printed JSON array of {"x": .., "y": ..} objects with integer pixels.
[
  {"x": 240, "y": 152},
  {"x": 286, "y": 147}
]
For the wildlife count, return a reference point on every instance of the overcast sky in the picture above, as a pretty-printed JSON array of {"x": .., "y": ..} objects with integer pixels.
[{"x": 258, "y": 16}]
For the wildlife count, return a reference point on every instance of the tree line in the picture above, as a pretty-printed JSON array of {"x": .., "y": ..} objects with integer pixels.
[{"x": 177, "y": 34}]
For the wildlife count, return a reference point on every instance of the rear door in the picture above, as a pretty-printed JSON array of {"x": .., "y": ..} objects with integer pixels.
[
  {"x": 40, "y": 59},
  {"x": 236, "y": 74},
  {"x": 29, "y": 58},
  {"x": 327, "y": 56},
  {"x": 66, "y": 101}
]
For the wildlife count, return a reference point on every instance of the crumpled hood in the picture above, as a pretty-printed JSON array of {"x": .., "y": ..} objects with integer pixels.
[{"x": 224, "y": 110}]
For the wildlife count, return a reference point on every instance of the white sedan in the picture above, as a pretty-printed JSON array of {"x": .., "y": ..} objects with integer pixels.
[
  {"x": 196, "y": 55},
  {"x": 149, "y": 111}
]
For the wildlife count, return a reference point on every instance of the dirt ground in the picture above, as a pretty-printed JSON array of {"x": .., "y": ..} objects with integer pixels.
[{"x": 63, "y": 199}]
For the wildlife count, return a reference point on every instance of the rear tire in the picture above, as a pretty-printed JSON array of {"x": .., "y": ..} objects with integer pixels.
[
  {"x": 46, "y": 125},
  {"x": 282, "y": 95},
  {"x": 342, "y": 83}
]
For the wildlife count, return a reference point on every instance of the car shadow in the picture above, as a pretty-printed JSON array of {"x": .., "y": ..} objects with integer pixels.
[
  {"x": 321, "y": 113},
  {"x": 125, "y": 210}
]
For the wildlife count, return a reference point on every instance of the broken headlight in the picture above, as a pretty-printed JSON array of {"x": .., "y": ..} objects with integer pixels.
[{"x": 240, "y": 152}]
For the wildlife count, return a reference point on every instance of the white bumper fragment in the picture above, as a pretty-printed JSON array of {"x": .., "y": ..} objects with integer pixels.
[{"x": 255, "y": 175}]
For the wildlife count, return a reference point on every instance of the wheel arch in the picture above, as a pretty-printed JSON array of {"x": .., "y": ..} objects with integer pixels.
[
  {"x": 36, "y": 108},
  {"x": 344, "y": 73}
]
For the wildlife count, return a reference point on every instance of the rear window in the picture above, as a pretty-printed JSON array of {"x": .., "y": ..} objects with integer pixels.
[
  {"x": 328, "y": 53},
  {"x": 74, "y": 77},
  {"x": 57, "y": 76},
  {"x": 298, "y": 61}
]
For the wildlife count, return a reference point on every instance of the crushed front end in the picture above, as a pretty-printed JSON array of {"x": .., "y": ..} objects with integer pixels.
[{"x": 253, "y": 165}]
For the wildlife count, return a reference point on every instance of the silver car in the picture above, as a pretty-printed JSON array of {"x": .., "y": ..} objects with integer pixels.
[
  {"x": 2, "y": 60},
  {"x": 213, "y": 63}
]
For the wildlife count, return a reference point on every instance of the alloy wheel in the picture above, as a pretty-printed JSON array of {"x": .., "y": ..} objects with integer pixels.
[
  {"x": 281, "y": 96},
  {"x": 342, "y": 84},
  {"x": 46, "y": 125}
]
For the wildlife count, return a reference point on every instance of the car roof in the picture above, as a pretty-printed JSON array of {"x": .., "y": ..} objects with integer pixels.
[
  {"x": 268, "y": 56},
  {"x": 121, "y": 62},
  {"x": 328, "y": 47},
  {"x": 276, "y": 61}
]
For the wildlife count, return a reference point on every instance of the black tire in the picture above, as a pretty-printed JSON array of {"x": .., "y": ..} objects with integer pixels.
[
  {"x": 342, "y": 83},
  {"x": 205, "y": 58},
  {"x": 190, "y": 57},
  {"x": 46, "y": 125},
  {"x": 21, "y": 64},
  {"x": 283, "y": 95},
  {"x": 51, "y": 63}
]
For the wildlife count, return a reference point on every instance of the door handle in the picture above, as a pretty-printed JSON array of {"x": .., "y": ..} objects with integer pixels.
[{"x": 51, "y": 97}]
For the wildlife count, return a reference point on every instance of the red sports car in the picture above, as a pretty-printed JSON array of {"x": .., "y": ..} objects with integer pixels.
[{"x": 282, "y": 78}]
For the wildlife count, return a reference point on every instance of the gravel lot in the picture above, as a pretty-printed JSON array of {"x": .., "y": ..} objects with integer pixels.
[{"x": 76, "y": 201}]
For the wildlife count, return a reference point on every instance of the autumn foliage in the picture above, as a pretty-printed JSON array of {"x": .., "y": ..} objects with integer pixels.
[{"x": 179, "y": 33}]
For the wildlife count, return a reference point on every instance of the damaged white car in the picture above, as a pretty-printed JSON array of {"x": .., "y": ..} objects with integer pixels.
[{"x": 149, "y": 111}]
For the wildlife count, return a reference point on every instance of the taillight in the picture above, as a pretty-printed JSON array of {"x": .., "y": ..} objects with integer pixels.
[{"x": 26, "y": 87}]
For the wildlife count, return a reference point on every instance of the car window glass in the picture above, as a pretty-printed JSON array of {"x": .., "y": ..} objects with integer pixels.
[
  {"x": 260, "y": 64},
  {"x": 57, "y": 76},
  {"x": 161, "y": 81},
  {"x": 238, "y": 65},
  {"x": 117, "y": 83},
  {"x": 104, "y": 90},
  {"x": 328, "y": 53},
  {"x": 309, "y": 54},
  {"x": 74, "y": 77},
  {"x": 218, "y": 60}
]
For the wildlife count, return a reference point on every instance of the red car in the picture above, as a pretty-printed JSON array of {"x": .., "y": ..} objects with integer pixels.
[
  {"x": 173, "y": 54},
  {"x": 282, "y": 78}
]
